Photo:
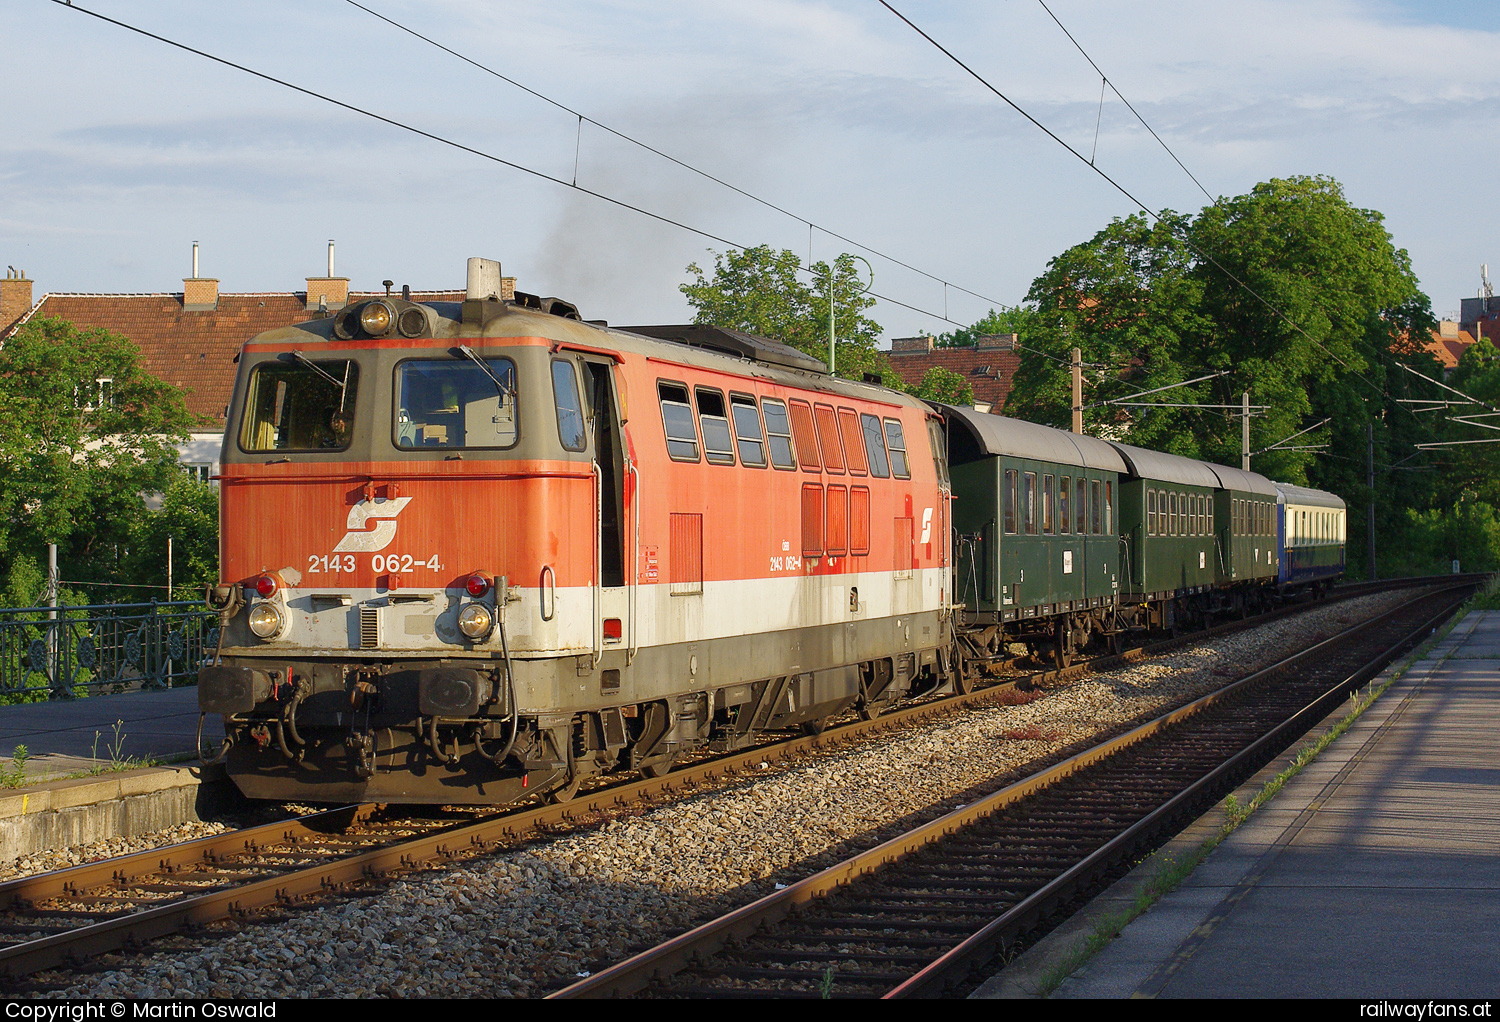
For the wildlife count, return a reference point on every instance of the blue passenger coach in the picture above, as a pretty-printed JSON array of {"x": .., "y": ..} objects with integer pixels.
[{"x": 1311, "y": 527}]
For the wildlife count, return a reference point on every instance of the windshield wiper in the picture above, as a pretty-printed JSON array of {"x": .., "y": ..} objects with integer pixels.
[
  {"x": 342, "y": 385},
  {"x": 500, "y": 385}
]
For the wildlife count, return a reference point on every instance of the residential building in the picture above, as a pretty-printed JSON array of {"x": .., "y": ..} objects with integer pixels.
[{"x": 987, "y": 368}]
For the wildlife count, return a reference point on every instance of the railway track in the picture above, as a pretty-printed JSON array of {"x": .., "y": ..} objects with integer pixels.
[
  {"x": 915, "y": 915},
  {"x": 67, "y": 917}
]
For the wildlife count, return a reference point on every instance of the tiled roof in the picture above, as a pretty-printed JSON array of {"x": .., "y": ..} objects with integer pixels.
[
  {"x": 988, "y": 372},
  {"x": 192, "y": 350},
  {"x": 1448, "y": 350}
]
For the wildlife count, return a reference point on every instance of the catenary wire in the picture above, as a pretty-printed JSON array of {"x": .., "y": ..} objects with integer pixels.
[
  {"x": 582, "y": 118},
  {"x": 542, "y": 175},
  {"x": 1272, "y": 307}
]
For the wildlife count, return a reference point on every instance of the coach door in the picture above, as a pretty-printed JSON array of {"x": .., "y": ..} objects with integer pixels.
[{"x": 614, "y": 626}]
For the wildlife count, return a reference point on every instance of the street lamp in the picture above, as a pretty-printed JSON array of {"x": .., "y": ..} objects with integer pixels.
[{"x": 831, "y": 267}]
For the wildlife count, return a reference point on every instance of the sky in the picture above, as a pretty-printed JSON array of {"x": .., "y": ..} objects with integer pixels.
[{"x": 117, "y": 152}]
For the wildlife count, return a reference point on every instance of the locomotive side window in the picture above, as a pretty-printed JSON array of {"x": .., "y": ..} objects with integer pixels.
[
  {"x": 896, "y": 442},
  {"x": 454, "y": 403},
  {"x": 828, "y": 436},
  {"x": 1028, "y": 505},
  {"x": 875, "y": 446},
  {"x": 677, "y": 417},
  {"x": 1008, "y": 492},
  {"x": 747, "y": 434},
  {"x": 854, "y": 443},
  {"x": 300, "y": 406},
  {"x": 717, "y": 447},
  {"x": 778, "y": 434},
  {"x": 569, "y": 412},
  {"x": 806, "y": 436}
]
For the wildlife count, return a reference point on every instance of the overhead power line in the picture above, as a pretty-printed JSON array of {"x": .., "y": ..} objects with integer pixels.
[
  {"x": 706, "y": 175},
  {"x": 1274, "y": 309},
  {"x": 432, "y": 136}
]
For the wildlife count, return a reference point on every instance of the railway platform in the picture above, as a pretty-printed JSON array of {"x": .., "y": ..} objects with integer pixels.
[{"x": 1374, "y": 873}]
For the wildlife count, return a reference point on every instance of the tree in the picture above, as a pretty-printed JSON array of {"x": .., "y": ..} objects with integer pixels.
[
  {"x": 939, "y": 384},
  {"x": 84, "y": 432},
  {"x": 762, "y": 291}
]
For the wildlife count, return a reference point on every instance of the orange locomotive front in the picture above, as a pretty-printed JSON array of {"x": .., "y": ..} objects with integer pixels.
[{"x": 480, "y": 550}]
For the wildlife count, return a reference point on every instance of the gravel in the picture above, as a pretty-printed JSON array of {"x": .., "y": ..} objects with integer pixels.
[{"x": 521, "y": 922}]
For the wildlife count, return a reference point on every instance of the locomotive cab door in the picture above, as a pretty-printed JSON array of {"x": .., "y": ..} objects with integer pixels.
[{"x": 614, "y": 627}]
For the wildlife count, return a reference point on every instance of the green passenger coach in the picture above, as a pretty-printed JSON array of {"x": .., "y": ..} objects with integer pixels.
[{"x": 1037, "y": 558}]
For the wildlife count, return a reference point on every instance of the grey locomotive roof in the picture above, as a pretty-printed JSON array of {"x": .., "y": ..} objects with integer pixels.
[
  {"x": 1169, "y": 468},
  {"x": 1239, "y": 479},
  {"x": 1017, "y": 438},
  {"x": 1289, "y": 494}
]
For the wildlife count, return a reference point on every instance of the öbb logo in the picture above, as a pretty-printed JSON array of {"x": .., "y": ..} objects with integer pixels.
[{"x": 359, "y": 538}]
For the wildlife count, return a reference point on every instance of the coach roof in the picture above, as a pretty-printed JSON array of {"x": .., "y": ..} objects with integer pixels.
[{"x": 997, "y": 435}]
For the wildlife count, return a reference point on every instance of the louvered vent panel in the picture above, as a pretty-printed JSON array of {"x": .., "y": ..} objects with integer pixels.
[{"x": 369, "y": 628}]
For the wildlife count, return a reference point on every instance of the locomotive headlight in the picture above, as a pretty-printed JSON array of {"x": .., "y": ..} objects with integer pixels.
[
  {"x": 376, "y": 318},
  {"x": 266, "y": 620},
  {"x": 475, "y": 621}
]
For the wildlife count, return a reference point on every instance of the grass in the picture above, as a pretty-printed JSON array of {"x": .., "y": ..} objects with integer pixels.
[
  {"x": 14, "y": 774},
  {"x": 1172, "y": 870}
]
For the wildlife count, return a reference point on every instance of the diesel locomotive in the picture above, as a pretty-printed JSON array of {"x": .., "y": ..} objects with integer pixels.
[{"x": 482, "y": 550}]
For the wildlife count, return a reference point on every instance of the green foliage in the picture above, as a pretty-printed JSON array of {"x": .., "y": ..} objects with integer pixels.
[
  {"x": 189, "y": 515},
  {"x": 77, "y": 454},
  {"x": 761, "y": 291},
  {"x": 1021, "y": 320},
  {"x": 939, "y": 384}
]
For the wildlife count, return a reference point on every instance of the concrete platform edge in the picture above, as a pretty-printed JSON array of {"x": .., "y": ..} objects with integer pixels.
[{"x": 1023, "y": 977}]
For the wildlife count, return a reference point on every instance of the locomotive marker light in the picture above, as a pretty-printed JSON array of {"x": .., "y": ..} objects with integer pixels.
[
  {"x": 477, "y": 585},
  {"x": 267, "y": 586}
]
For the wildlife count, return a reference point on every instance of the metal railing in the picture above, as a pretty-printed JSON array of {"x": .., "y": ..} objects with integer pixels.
[{"x": 65, "y": 652}]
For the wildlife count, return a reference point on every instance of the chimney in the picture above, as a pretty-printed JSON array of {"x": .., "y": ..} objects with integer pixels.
[
  {"x": 1447, "y": 328},
  {"x": 912, "y": 345},
  {"x": 997, "y": 342},
  {"x": 199, "y": 294},
  {"x": 330, "y": 293},
  {"x": 15, "y": 297}
]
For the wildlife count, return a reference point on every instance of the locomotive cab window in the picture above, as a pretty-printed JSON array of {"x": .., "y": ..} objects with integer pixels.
[
  {"x": 450, "y": 403},
  {"x": 712, "y": 419},
  {"x": 570, "y": 430},
  {"x": 895, "y": 441},
  {"x": 677, "y": 418},
  {"x": 300, "y": 405}
]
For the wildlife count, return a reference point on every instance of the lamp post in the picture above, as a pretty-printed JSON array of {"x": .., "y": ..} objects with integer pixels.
[{"x": 831, "y": 304}]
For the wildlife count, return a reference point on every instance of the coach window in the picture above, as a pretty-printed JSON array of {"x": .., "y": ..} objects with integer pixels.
[
  {"x": 875, "y": 446},
  {"x": 300, "y": 406},
  {"x": 748, "y": 437},
  {"x": 1172, "y": 516},
  {"x": 854, "y": 443},
  {"x": 1150, "y": 512},
  {"x": 1049, "y": 522},
  {"x": 778, "y": 434},
  {"x": 1064, "y": 488},
  {"x": 1109, "y": 508},
  {"x": 1008, "y": 496},
  {"x": 456, "y": 403},
  {"x": 806, "y": 435},
  {"x": 895, "y": 440},
  {"x": 1081, "y": 506},
  {"x": 717, "y": 448},
  {"x": 828, "y": 438},
  {"x": 677, "y": 417},
  {"x": 1028, "y": 502},
  {"x": 1096, "y": 506}
]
